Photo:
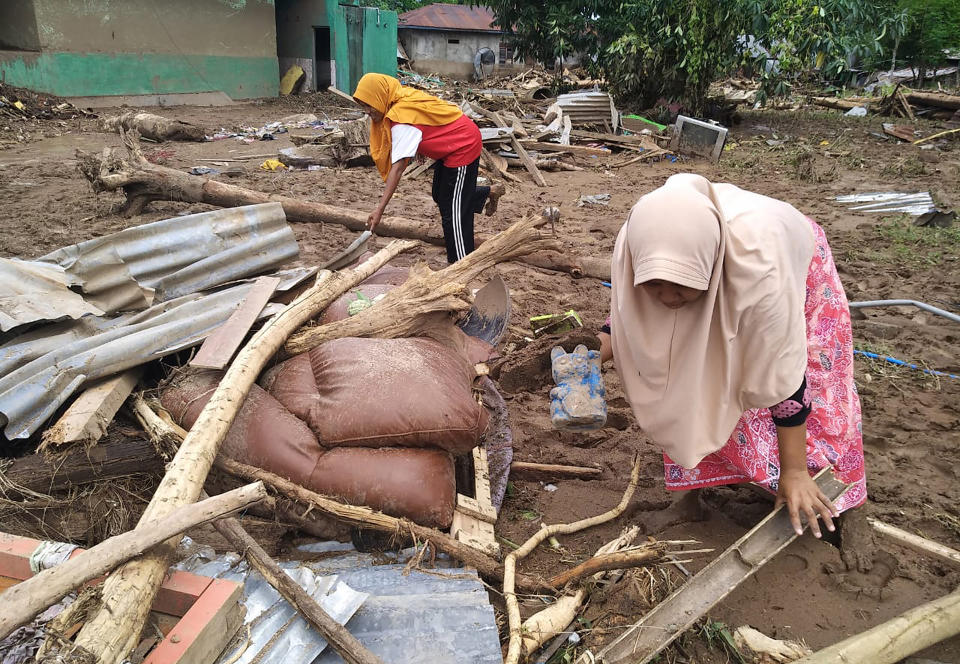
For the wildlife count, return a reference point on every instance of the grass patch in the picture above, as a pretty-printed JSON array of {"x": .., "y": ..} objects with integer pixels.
[{"x": 918, "y": 246}]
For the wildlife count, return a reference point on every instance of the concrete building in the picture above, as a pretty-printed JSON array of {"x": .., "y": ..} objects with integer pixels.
[
  {"x": 145, "y": 52},
  {"x": 335, "y": 42},
  {"x": 445, "y": 39},
  {"x": 176, "y": 51}
]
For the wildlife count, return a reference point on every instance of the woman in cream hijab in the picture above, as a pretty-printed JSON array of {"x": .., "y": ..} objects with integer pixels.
[{"x": 731, "y": 334}]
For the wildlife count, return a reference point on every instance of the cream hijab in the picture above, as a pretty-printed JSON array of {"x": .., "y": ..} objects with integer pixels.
[{"x": 690, "y": 373}]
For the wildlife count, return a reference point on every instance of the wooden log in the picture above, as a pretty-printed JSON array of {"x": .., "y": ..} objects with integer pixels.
[
  {"x": 510, "y": 563},
  {"x": 346, "y": 645},
  {"x": 113, "y": 632},
  {"x": 839, "y": 104},
  {"x": 87, "y": 418},
  {"x": 644, "y": 640},
  {"x": 109, "y": 460},
  {"x": 526, "y": 470},
  {"x": 543, "y": 625},
  {"x": 143, "y": 182},
  {"x": 938, "y": 99},
  {"x": 607, "y": 562},
  {"x": 24, "y": 601},
  {"x": 368, "y": 518},
  {"x": 416, "y": 304},
  {"x": 898, "y": 638},
  {"x": 915, "y": 542},
  {"x": 154, "y": 127},
  {"x": 219, "y": 347}
]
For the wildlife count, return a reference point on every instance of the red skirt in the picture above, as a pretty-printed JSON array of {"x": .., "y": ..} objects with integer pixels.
[{"x": 834, "y": 427}]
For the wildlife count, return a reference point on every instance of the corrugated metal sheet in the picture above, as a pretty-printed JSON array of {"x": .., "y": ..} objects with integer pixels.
[
  {"x": 590, "y": 108},
  {"x": 408, "y": 617},
  {"x": 42, "y": 369},
  {"x": 31, "y": 292},
  {"x": 449, "y": 17},
  {"x": 165, "y": 259},
  {"x": 889, "y": 202}
]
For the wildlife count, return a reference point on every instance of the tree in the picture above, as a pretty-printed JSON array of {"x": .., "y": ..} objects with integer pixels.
[{"x": 932, "y": 26}]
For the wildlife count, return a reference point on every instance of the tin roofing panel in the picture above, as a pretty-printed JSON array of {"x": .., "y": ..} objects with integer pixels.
[{"x": 439, "y": 16}]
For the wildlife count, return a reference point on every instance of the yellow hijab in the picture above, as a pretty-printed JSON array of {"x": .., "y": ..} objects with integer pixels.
[{"x": 398, "y": 105}]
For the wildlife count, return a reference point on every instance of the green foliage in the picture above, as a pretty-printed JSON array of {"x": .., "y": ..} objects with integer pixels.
[
  {"x": 930, "y": 26},
  {"x": 673, "y": 49}
]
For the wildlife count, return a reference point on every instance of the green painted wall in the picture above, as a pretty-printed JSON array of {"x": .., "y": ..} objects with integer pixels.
[
  {"x": 103, "y": 74},
  {"x": 374, "y": 42},
  {"x": 132, "y": 47}
]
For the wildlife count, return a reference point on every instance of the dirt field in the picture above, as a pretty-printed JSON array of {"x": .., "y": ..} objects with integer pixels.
[{"x": 911, "y": 419}]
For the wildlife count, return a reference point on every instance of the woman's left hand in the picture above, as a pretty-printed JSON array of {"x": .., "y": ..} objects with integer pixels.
[{"x": 802, "y": 495}]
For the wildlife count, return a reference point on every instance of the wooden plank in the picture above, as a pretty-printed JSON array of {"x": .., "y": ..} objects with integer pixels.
[
  {"x": 87, "y": 418},
  {"x": 643, "y": 641},
  {"x": 341, "y": 94},
  {"x": 493, "y": 163},
  {"x": 567, "y": 128},
  {"x": 218, "y": 349},
  {"x": 523, "y": 470},
  {"x": 419, "y": 169},
  {"x": 915, "y": 542},
  {"x": 474, "y": 533},
  {"x": 496, "y": 133},
  {"x": 206, "y": 629},
  {"x": 517, "y": 147},
  {"x": 106, "y": 461},
  {"x": 606, "y": 138},
  {"x": 481, "y": 471},
  {"x": 574, "y": 149}
]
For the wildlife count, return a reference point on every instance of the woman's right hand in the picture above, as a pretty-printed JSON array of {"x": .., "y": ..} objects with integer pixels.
[{"x": 373, "y": 219}]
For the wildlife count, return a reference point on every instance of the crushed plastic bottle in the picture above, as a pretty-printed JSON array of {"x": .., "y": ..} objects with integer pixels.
[{"x": 578, "y": 402}]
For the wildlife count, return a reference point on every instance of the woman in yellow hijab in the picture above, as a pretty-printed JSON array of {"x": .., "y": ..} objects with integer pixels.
[{"x": 408, "y": 123}]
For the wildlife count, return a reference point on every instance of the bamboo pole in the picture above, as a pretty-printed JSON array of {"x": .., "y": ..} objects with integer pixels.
[
  {"x": 510, "y": 563},
  {"x": 345, "y": 643},
  {"x": 898, "y": 638},
  {"x": 21, "y": 603},
  {"x": 113, "y": 632},
  {"x": 915, "y": 542}
]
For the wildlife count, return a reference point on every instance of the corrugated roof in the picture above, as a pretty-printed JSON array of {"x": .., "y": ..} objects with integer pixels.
[
  {"x": 439, "y": 16},
  {"x": 404, "y": 616},
  {"x": 163, "y": 262}
]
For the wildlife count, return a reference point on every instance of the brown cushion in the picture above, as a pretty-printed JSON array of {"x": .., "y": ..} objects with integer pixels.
[
  {"x": 382, "y": 393},
  {"x": 415, "y": 484}
]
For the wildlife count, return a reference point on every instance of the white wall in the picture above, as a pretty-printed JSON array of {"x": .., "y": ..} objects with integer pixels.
[{"x": 431, "y": 51}]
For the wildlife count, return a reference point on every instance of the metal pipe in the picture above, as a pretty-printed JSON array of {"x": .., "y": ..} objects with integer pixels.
[{"x": 902, "y": 303}]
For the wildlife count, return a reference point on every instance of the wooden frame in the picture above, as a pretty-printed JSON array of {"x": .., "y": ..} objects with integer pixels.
[
  {"x": 474, "y": 518},
  {"x": 209, "y": 611}
]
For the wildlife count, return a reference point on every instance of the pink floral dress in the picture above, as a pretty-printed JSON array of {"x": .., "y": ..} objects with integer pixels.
[{"x": 834, "y": 426}]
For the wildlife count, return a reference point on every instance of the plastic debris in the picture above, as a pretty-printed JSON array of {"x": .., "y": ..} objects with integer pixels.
[
  {"x": 555, "y": 323},
  {"x": 595, "y": 199},
  {"x": 203, "y": 170},
  {"x": 578, "y": 402},
  {"x": 857, "y": 112},
  {"x": 272, "y": 165},
  {"x": 550, "y": 487}
]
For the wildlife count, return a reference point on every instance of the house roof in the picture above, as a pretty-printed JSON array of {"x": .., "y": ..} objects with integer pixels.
[{"x": 439, "y": 16}]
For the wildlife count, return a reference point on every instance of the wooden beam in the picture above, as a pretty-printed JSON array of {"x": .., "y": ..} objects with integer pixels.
[
  {"x": 915, "y": 542},
  {"x": 25, "y": 600},
  {"x": 341, "y": 94},
  {"x": 418, "y": 169},
  {"x": 606, "y": 138},
  {"x": 643, "y": 641},
  {"x": 106, "y": 461},
  {"x": 524, "y": 470},
  {"x": 217, "y": 349},
  {"x": 474, "y": 518},
  {"x": 898, "y": 638},
  {"x": 517, "y": 147},
  {"x": 87, "y": 418},
  {"x": 574, "y": 149}
]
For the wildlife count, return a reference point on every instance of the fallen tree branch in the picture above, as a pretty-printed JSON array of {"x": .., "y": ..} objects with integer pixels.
[
  {"x": 113, "y": 632},
  {"x": 341, "y": 640},
  {"x": 22, "y": 602},
  {"x": 898, "y": 638},
  {"x": 607, "y": 562},
  {"x": 915, "y": 542},
  {"x": 143, "y": 182},
  {"x": 409, "y": 308},
  {"x": 154, "y": 127},
  {"x": 510, "y": 563}
]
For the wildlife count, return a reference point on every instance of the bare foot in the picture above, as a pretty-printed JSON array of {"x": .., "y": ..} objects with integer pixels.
[
  {"x": 686, "y": 509},
  {"x": 496, "y": 191}
]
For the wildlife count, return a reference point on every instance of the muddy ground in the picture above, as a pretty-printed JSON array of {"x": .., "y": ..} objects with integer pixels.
[{"x": 911, "y": 419}]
